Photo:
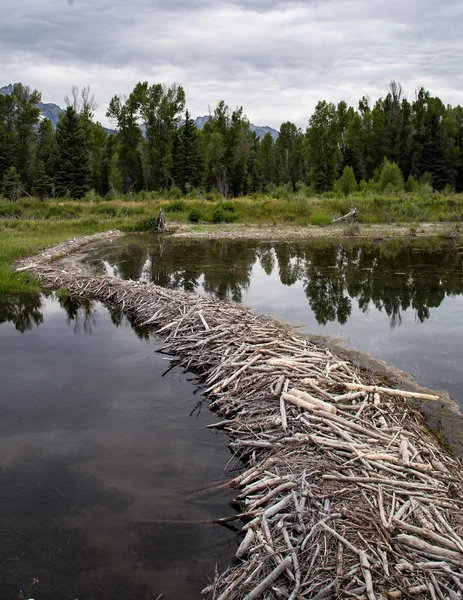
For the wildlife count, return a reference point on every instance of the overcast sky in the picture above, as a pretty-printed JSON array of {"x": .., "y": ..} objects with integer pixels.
[{"x": 276, "y": 59}]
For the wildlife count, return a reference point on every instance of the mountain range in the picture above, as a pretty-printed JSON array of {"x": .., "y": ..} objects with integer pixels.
[{"x": 52, "y": 112}]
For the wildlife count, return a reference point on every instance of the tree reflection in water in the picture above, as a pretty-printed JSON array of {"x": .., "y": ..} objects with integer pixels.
[
  {"x": 24, "y": 310},
  {"x": 392, "y": 277}
]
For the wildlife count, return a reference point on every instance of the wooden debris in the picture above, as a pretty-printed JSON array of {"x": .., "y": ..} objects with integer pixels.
[
  {"x": 345, "y": 493},
  {"x": 351, "y": 215}
]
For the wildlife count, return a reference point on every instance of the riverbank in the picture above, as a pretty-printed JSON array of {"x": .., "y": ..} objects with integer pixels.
[
  {"x": 272, "y": 233},
  {"x": 313, "y": 433}
]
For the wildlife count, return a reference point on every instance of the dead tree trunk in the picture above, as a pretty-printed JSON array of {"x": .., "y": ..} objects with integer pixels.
[
  {"x": 161, "y": 222},
  {"x": 350, "y": 215}
]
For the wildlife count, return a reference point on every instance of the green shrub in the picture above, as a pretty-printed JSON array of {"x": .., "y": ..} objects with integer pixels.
[
  {"x": 174, "y": 193},
  {"x": 10, "y": 210},
  {"x": 411, "y": 184},
  {"x": 92, "y": 196},
  {"x": 228, "y": 206},
  {"x": 146, "y": 225},
  {"x": 347, "y": 183},
  {"x": 289, "y": 218},
  {"x": 363, "y": 186},
  {"x": 177, "y": 206},
  {"x": 448, "y": 190},
  {"x": 67, "y": 211},
  {"x": 391, "y": 179},
  {"x": 302, "y": 206},
  {"x": 213, "y": 195},
  {"x": 219, "y": 216},
  {"x": 320, "y": 219},
  {"x": 194, "y": 216},
  {"x": 222, "y": 216}
]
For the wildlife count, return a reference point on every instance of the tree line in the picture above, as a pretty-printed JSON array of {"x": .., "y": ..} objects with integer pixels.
[{"x": 391, "y": 144}]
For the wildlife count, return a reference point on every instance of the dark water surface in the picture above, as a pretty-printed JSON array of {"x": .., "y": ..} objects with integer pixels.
[
  {"x": 99, "y": 457},
  {"x": 400, "y": 301}
]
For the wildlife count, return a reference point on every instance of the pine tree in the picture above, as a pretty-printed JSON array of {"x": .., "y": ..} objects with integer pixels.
[
  {"x": 43, "y": 184},
  {"x": 266, "y": 160},
  {"x": 115, "y": 178},
  {"x": 8, "y": 134},
  {"x": 73, "y": 168},
  {"x": 433, "y": 158},
  {"x": 12, "y": 186},
  {"x": 191, "y": 154},
  {"x": 46, "y": 159}
]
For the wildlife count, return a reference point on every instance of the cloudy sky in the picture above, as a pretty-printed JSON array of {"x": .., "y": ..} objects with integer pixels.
[{"x": 276, "y": 59}]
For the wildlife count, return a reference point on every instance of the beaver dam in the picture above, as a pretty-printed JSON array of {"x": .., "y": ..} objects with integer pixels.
[{"x": 345, "y": 492}]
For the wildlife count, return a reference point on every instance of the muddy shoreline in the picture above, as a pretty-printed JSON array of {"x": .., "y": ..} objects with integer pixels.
[{"x": 285, "y": 232}]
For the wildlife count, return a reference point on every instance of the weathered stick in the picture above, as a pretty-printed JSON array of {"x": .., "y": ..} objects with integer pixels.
[
  {"x": 390, "y": 391},
  {"x": 269, "y": 580}
]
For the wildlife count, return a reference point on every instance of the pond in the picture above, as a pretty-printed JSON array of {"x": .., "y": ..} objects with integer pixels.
[
  {"x": 101, "y": 459},
  {"x": 102, "y": 450},
  {"x": 399, "y": 300}
]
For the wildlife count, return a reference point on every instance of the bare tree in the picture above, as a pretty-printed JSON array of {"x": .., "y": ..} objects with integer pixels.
[{"x": 82, "y": 101}]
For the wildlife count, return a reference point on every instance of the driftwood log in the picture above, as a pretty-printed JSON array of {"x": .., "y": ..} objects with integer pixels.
[
  {"x": 345, "y": 492},
  {"x": 351, "y": 215}
]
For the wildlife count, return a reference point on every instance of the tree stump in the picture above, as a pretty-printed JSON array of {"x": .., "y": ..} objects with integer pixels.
[{"x": 161, "y": 222}]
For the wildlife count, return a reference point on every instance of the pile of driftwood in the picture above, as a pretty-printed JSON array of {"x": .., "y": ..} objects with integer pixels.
[{"x": 345, "y": 494}]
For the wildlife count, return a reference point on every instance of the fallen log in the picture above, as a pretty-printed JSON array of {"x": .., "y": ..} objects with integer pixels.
[{"x": 352, "y": 214}]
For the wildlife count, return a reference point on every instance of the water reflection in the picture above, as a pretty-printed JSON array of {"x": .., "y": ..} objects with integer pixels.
[
  {"x": 101, "y": 462},
  {"x": 24, "y": 310},
  {"x": 391, "y": 278}
]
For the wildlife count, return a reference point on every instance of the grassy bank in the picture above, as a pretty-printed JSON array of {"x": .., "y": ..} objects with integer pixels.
[
  {"x": 295, "y": 207},
  {"x": 28, "y": 237},
  {"x": 29, "y": 225}
]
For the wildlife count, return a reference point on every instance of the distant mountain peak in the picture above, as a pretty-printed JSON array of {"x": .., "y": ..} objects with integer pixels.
[
  {"x": 259, "y": 130},
  {"x": 47, "y": 110},
  {"x": 52, "y": 112}
]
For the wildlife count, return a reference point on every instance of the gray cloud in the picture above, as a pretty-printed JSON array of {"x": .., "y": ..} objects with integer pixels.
[{"x": 275, "y": 58}]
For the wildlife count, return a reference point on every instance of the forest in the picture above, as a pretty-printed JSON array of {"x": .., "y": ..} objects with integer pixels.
[{"x": 391, "y": 146}]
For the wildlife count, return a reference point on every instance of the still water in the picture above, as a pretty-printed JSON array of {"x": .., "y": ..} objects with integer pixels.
[
  {"x": 100, "y": 460},
  {"x": 400, "y": 301}
]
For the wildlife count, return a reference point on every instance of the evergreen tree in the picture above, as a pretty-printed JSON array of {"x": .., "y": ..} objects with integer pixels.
[
  {"x": 8, "y": 134},
  {"x": 43, "y": 183},
  {"x": 115, "y": 178},
  {"x": 187, "y": 156},
  {"x": 391, "y": 178},
  {"x": 322, "y": 146},
  {"x": 432, "y": 159},
  {"x": 266, "y": 160},
  {"x": 97, "y": 139},
  {"x": 46, "y": 157},
  {"x": 73, "y": 168},
  {"x": 12, "y": 186},
  {"x": 347, "y": 184}
]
